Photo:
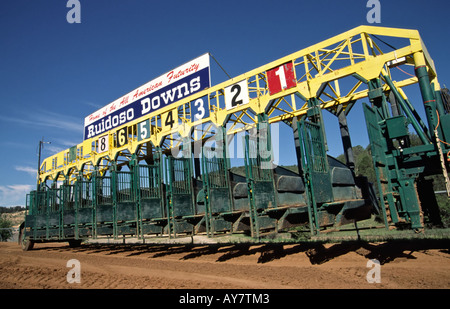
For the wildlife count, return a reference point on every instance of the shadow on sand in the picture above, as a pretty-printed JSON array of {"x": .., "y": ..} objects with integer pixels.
[{"x": 317, "y": 252}]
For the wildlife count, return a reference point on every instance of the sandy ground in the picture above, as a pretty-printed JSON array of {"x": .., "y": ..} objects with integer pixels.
[{"x": 406, "y": 265}]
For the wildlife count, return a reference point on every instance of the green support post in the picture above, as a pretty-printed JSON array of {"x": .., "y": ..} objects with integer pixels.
[
  {"x": 33, "y": 208},
  {"x": 47, "y": 206},
  {"x": 134, "y": 168},
  {"x": 206, "y": 185},
  {"x": 77, "y": 206},
  {"x": 113, "y": 169},
  {"x": 136, "y": 185},
  {"x": 429, "y": 101},
  {"x": 254, "y": 226},
  {"x": 94, "y": 201},
  {"x": 379, "y": 148}
]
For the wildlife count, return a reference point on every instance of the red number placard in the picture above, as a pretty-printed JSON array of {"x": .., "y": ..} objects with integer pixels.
[{"x": 281, "y": 78}]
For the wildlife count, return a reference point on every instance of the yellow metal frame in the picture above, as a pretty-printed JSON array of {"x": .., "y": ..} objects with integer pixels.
[{"x": 319, "y": 69}]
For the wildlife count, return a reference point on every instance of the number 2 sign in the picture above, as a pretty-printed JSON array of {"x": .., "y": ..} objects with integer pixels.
[
  {"x": 281, "y": 78},
  {"x": 236, "y": 94}
]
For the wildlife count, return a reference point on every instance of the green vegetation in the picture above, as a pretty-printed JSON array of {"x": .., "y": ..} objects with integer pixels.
[
  {"x": 5, "y": 232},
  {"x": 364, "y": 166},
  {"x": 363, "y": 162},
  {"x": 9, "y": 217}
]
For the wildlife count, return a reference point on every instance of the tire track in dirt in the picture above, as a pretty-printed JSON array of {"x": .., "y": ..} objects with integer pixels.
[{"x": 269, "y": 266}]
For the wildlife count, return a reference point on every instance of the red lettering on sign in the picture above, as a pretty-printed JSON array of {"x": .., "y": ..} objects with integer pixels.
[
  {"x": 124, "y": 101},
  {"x": 93, "y": 117},
  {"x": 173, "y": 76},
  {"x": 141, "y": 92}
]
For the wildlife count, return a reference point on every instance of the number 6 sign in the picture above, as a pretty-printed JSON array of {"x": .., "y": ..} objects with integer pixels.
[{"x": 281, "y": 78}]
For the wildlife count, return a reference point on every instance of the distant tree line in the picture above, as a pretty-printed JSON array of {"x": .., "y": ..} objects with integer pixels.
[
  {"x": 12, "y": 209},
  {"x": 364, "y": 166},
  {"x": 363, "y": 162}
]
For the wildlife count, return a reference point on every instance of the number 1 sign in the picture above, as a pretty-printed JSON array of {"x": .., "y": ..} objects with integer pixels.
[{"x": 281, "y": 78}]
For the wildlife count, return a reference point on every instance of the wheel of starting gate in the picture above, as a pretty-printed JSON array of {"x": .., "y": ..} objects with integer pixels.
[
  {"x": 74, "y": 243},
  {"x": 24, "y": 241}
]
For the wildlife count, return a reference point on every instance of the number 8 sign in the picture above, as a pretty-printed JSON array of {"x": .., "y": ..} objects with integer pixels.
[
  {"x": 281, "y": 78},
  {"x": 103, "y": 143}
]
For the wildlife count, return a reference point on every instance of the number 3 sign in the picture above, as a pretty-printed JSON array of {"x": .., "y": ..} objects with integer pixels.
[{"x": 281, "y": 78}]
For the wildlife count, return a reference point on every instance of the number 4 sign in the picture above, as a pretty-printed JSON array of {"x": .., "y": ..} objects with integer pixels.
[{"x": 281, "y": 78}]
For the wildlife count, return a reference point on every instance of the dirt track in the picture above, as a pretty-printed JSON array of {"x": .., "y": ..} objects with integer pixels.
[{"x": 294, "y": 266}]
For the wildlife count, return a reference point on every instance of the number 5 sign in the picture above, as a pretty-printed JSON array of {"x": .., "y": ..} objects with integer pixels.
[{"x": 281, "y": 78}]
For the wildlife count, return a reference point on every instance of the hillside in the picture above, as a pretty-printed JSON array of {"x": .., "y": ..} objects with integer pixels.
[{"x": 16, "y": 218}]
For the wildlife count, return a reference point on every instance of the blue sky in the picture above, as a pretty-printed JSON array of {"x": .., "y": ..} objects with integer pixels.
[{"x": 53, "y": 74}]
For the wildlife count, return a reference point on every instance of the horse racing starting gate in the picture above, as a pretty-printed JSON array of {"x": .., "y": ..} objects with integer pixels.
[{"x": 147, "y": 169}]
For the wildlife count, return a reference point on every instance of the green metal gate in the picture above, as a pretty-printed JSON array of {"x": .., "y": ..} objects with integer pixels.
[
  {"x": 316, "y": 161},
  {"x": 30, "y": 215},
  {"x": 104, "y": 210},
  {"x": 125, "y": 196},
  {"x": 259, "y": 174},
  {"x": 260, "y": 178},
  {"x": 316, "y": 168},
  {"x": 378, "y": 146},
  {"x": 217, "y": 186},
  {"x": 69, "y": 211},
  {"x": 85, "y": 207},
  {"x": 40, "y": 214},
  {"x": 54, "y": 213},
  {"x": 180, "y": 194},
  {"x": 152, "y": 212}
]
